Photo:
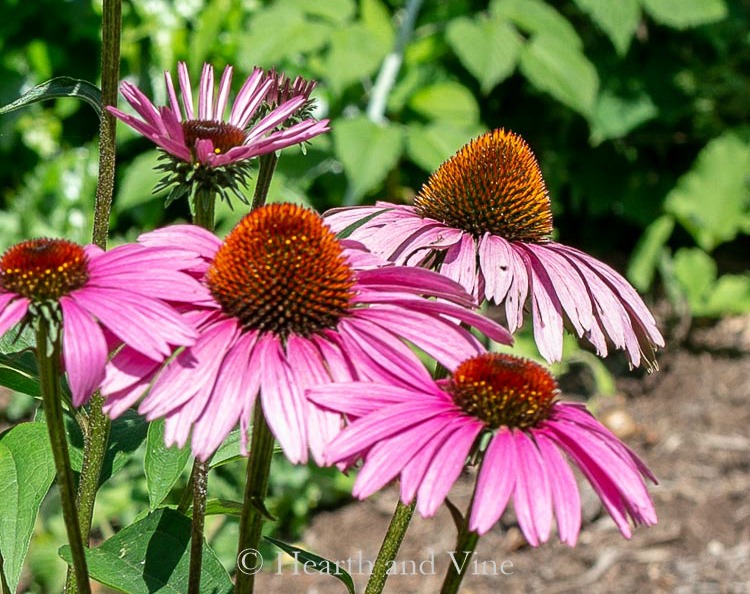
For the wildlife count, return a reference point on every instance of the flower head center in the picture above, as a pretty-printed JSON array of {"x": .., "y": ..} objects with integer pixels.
[
  {"x": 43, "y": 269},
  {"x": 282, "y": 270},
  {"x": 223, "y": 135},
  {"x": 492, "y": 185},
  {"x": 501, "y": 389}
]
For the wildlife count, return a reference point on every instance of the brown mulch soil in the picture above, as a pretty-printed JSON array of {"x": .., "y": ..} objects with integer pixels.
[{"x": 688, "y": 421}]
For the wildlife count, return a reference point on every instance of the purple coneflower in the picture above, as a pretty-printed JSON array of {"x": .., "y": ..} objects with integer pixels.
[
  {"x": 424, "y": 431},
  {"x": 204, "y": 147},
  {"x": 104, "y": 297},
  {"x": 484, "y": 219},
  {"x": 295, "y": 307}
]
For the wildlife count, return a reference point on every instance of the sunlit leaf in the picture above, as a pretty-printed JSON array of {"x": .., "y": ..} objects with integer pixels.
[
  {"x": 448, "y": 102},
  {"x": 487, "y": 47},
  {"x": 429, "y": 145},
  {"x": 562, "y": 71},
  {"x": 153, "y": 555},
  {"x": 712, "y": 200},
  {"x": 368, "y": 152},
  {"x": 162, "y": 465},
  {"x": 618, "y": 19},
  {"x": 537, "y": 17},
  {"x": 26, "y": 473},
  {"x": 647, "y": 252},
  {"x": 293, "y": 33},
  {"x": 682, "y": 14},
  {"x": 62, "y": 86}
]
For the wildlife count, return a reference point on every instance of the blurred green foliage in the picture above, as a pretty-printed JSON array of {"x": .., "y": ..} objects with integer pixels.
[{"x": 637, "y": 110}]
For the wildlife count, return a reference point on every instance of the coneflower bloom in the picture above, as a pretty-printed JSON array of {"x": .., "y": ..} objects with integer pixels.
[
  {"x": 103, "y": 297},
  {"x": 423, "y": 431},
  {"x": 295, "y": 307},
  {"x": 207, "y": 149},
  {"x": 484, "y": 219}
]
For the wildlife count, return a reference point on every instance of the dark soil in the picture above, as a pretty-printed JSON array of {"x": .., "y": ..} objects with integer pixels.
[{"x": 689, "y": 422}]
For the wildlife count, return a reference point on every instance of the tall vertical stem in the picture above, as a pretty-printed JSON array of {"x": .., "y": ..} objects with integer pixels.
[
  {"x": 256, "y": 488},
  {"x": 389, "y": 549},
  {"x": 200, "y": 492},
  {"x": 261, "y": 446},
  {"x": 205, "y": 216},
  {"x": 48, "y": 359},
  {"x": 111, "y": 27},
  {"x": 96, "y": 433},
  {"x": 465, "y": 545}
]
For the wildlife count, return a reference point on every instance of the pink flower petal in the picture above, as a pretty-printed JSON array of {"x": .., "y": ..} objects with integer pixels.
[
  {"x": 84, "y": 351},
  {"x": 496, "y": 481}
]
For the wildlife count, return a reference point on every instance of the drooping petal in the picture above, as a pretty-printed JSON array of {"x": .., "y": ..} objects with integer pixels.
[
  {"x": 566, "y": 499},
  {"x": 84, "y": 351},
  {"x": 235, "y": 385},
  {"x": 283, "y": 404},
  {"x": 496, "y": 481},
  {"x": 531, "y": 498},
  {"x": 439, "y": 478},
  {"x": 387, "y": 458}
]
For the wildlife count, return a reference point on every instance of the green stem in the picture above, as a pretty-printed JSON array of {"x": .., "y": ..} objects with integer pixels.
[
  {"x": 265, "y": 173},
  {"x": 396, "y": 530},
  {"x": 200, "y": 491},
  {"x": 389, "y": 549},
  {"x": 256, "y": 487},
  {"x": 111, "y": 27},
  {"x": 187, "y": 495},
  {"x": 261, "y": 445},
  {"x": 205, "y": 209},
  {"x": 94, "y": 450},
  {"x": 204, "y": 216},
  {"x": 48, "y": 358},
  {"x": 96, "y": 431},
  {"x": 465, "y": 545}
]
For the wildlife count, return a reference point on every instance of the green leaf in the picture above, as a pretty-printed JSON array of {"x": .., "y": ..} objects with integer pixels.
[
  {"x": 731, "y": 295},
  {"x": 682, "y": 14},
  {"x": 368, "y": 151},
  {"x": 162, "y": 465},
  {"x": 62, "y": 86},
  {"x": 18, "y": 372},
  {"x": 313, "y": 561},
  {"x": 619, "y": 19},
  {"x": 138, "y": 183},
  {"x": 562, "y": 71},
  {"x": 215, "y": 507},
  {"x": 27, "y": 470},
  {"x": 696, "y": 272},
  {"x": 228, "y": 451},
  {"x": 293, "y": 34},
  {"x": 712, "y": 200},
  {"x": 126, "y": 434},
  {"x": 428, "y": 146},
  {"x": 446, "y": 101},
  {"x": 355, "y": 53},
  {"x": 537, "y": 17},
  {"x": 615, "y": 116},
  {"x": 338, "y": 11},
  {"x": 152, "y": 555},
  {"x": 647, "y": 252},
  {"x": 487, "y": 47}
]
